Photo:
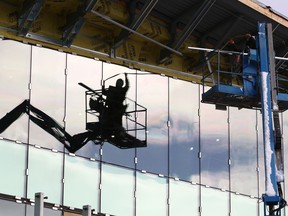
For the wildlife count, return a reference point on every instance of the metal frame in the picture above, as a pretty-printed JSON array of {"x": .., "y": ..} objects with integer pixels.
[
  {"x": 29, "y": 14},
  {"x": 135, "y": 22}
]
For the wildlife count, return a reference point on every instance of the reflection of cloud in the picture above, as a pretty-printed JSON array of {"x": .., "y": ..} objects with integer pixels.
[
  {"x": 157, "y": 129},
  {"x": 242, "y": 181},
  {"x": 216, "y": 179},
  {"x": 183, "y": 130},
  {"x": 214, "y": 143}
]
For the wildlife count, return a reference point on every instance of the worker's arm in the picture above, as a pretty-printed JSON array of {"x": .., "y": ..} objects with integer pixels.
[
  {"x": 126, "y": 82},
  {"x": 104, "y": 91}
]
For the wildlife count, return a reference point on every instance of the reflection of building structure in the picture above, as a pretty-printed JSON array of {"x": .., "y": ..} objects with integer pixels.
[
  {"x": 227, "y": 173},
  {"x": 198, "y": 159}
]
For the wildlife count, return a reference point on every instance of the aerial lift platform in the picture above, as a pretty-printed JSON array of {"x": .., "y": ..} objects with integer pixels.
[
  {"x": 103, "y": 122},
  {"x": 257, "y": 87}
]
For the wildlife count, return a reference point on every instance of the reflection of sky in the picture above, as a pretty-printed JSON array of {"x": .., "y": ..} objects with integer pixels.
[{"x": 152, "y": 92}]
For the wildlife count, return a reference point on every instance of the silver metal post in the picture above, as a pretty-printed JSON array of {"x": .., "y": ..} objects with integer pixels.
[
  {"x": 39, "y": 204},
  {"x": 86, "y": 210}
]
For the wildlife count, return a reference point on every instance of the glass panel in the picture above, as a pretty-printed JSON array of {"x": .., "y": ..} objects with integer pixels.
[
  {"x": 184, "y": 130},
  {"x": 261, "y": 209},
  {"x": 9, "y": 208},
  {"x": 151, "y": 190},
  {"x": 45, "y": 174},
  {"x": 285, "y": 151},
  {"x": 117, "y": 191},
  {"x": 152, "y": 93},
  {"x": 12, "y": 167},
  {"x": 243, "y": 151},
  {"x": 214, "y": 201},
  {"x": 214, "y": 146},
  {"x": 48, "y": 93},
  {"x": 81, "y": 182},
  {"x": 14, "y": 79},
  {"x": 89, "y": 72},
  {"x": 184, "y": 198},
  {"x": 111, "y": 74},
  {"x": 242, "y": 205}
]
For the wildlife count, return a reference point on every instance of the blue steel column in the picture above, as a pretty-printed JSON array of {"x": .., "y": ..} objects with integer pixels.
[{"x": 270, "y": 168}]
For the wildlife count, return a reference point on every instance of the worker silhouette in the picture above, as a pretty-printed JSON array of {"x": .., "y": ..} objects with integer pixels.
[
  {"x": 114, "y": 108},
  {"x": 108, "y": 106}
]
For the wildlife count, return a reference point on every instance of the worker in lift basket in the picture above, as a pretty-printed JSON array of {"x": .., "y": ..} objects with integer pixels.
[
  {"x": 250, "y": 41},
  {"x": 114, "y": 107}
]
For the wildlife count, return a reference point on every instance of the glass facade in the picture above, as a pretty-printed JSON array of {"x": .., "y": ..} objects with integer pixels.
[{"x": 198, "y": 160}]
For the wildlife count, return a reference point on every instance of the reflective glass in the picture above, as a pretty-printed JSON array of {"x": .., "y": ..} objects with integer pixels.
[
  {"x": 111, "y": 153},
  {"x": 184, "y": 198},
  {"x": 184, "y": 130},
  {"x": 81, "y": 185},
  {"x": 243, "y": 146},
  {"x": 117, "y": 193},
  {"x": 242, "y": 205},
  {"x": 151, "y": 195},
  {"x": 88, "y": 72},
  {"x": 214, "y": 146},
  {"x": 214, "y": 201},
  {"x": 14, "y": 80},
  {"x": 285, "y": 145},
  {"x": 48, "y": 93},
  {"x": 12, "y": 165},
  {"x": 152, "y": 93},
  {"x": 45, "y": 174},
  {"x": 9, "y": 208}
]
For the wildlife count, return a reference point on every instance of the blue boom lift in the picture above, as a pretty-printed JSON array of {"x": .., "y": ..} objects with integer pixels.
[{"x": 259, "y": 89}]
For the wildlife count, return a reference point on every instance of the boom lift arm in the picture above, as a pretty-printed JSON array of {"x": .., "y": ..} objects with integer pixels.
[
  {"x": 108, "y": 128},
  {"x": 274, "y": 173}
]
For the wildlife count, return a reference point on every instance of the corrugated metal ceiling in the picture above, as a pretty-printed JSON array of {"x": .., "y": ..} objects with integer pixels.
[{"x": 145, "y": 34}]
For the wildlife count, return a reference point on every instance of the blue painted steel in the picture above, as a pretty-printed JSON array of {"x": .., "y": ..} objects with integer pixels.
[
  {"x": 267, "y": 110},
  {"x": 271, "y": 201},
  {"x": 227, "y": 89},
  {"x": 271, "y": 197},
  {"x": 250, "y": 81}
]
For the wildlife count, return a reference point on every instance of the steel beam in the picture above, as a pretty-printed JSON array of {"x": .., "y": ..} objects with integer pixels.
[
  {"x": 193, "y": 23},
  {"x": 228, "y": 33},
  {"x": 135, "y": 22},
  {"x": 268, "y": 136},
  {"x": 280, "y": 63},
  {"x": 135, "y": 32},
  {"x": 71, "y": 30},
  {"x": 29, "y": 14},
  {"x": 272, "y": 67},
  {"x": 90, "y": 5},
  {"x": 230, "y": 24},
  {"x": 76, "y": 22}
]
